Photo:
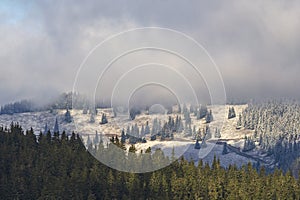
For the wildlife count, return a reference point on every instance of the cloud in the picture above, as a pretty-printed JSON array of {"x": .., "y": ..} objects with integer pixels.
[{"x": 256, "y": 44}]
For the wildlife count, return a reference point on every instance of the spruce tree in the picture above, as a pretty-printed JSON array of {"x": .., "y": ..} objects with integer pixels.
[
  {"x": 56, "y": 127},
  {"x": 68, "y": 117},
  {"x": 197, "y": 145},
  {"x": 103, "y": 119}
]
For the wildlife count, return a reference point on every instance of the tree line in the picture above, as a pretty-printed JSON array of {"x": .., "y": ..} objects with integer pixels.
[{"x": 59, "y": 167}]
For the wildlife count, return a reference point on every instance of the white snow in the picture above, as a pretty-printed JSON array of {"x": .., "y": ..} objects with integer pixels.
[{"x": 182, "y": 145}]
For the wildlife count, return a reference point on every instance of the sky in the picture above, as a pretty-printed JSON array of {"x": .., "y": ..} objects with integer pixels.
[{"x": 255, "y": 44}]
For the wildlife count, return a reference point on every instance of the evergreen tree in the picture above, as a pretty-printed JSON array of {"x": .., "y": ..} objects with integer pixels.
[
  {"x": 217, "y": 133},
  {"x": 187, "y": 118},
  {"x": 184, "y": 109},
  {"x": 96, "y": 139},
  {"x": 207, "y": 132},
  {"x": 103, "y": 119},
  {"x": 194, "y": 132},
  {"x": 85, "y": 110},
  {"x": 68, "y": 117},
  {"x": 180, "y": 128},
  {"x": 89, "y": 141},
  {"x": 114, "y": 112},
  {"x": 202, "y": 112},
  {"x": 92, "y": 118},
  {"x": 128, "y": 133},
  {"x": 123, "y": 136},
  {"x": 56, "y": 127},
  {"x": 46, "y": 129},
  {"x": 154, "y": 130},
  {"x": 179, "y": 108},
  {"x": 248, "y": 144},
  {"x": 101, "y": 138},
  {"x": 209, "y": 117},
  {"x": 133, "y": 112},
  {"x": 197, "y": 145},
  {"x": 153, "y": 137},
  {"x": 231, "y": 113},
  {"x": 142, "y": 131},
  {"x": 239, "y": 122},
  {"x": 225, "y": 150},
  {"x": 147, "y": 129},
  {"x": 203, "y": 144}
]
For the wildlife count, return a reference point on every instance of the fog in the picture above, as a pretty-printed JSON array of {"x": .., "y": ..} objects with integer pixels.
[{"x": 255, "y": 45}]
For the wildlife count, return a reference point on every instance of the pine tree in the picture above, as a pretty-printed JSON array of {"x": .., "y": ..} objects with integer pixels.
[
  {"x": 239, "y": 122},
  {"x": 103, "y": 119},
  {"x": 147, "y": 129},
  {"x": 56, "y": 127},
  {"x": 184, "y": 109},
  {"x": 187, "y": 118},
  {"x": 132, "y": 149},
  {"x": 194, "y": 131},
  {"x": 197, "y": 145},
  {"x": 114, "y": 112},
  {"x": 92, "y": 118},
  {"x": 46, "y": 129},
  {"x": 225, "y": 151},
  {"x": 142, "y": 131},
  {"x": 68, "y": 117},
  {"x": 217, "y": 133},
  {"x": 209, "y": 117},
  {"x": 96, "y": 139},
  {"x": 84, "y": 111},
  {"x": 123, "y": 136},
  {"x": 180, "y": 128},
  {"x": 202, "y": 112},
  {"x": 128, "y": 133},
  {"x": 231, "y": 113},
  {"x": 89, "y": 141},
  {"x": 207, "y": 132},
  {"x": 203, "y": 144}
]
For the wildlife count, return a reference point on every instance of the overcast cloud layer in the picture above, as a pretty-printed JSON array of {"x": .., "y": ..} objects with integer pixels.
[{"x": 256, "y": 44}]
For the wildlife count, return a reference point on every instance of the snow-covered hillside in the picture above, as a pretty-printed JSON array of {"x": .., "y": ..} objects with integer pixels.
[{"x": 182, "y": 144}]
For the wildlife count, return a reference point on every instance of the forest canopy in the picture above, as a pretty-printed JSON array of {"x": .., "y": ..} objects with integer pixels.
[{"x": 60, "y": 167}]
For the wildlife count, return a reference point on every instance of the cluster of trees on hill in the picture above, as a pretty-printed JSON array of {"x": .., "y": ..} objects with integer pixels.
[
  {"x": 165, "y": 130},
  {"x": 18, "y": 107},
  {"x": 199, "y": 111},
  {"x": 63, "y": 101},
  {"x": 276, "y": 129},
  {"x": 59, "y": 167},
  {"x": 231, "y": 113}
]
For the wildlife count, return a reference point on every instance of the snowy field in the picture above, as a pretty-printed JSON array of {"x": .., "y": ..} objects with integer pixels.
[{"x": 182, "y": 145}]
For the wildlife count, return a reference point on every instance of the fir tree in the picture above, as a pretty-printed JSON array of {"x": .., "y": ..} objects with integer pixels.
[
  {"x": 46, "y": 129},
  {"x": 96, "y": 139},
  {"x": 197, "y": 145},
  {"x": 239, "y": 122},
  {"x": 123, "y": 136},
  {"x": 209, "y": 117},
  {"x": 68, "y": 117},
  {"x": 217, "y": 133},
  {"x": 203, "y": 144},
  {"x": 56, "y": 127},
  {"x": 225, "y": 151},
  {"x": 202, "y": 112},
  {"x": 231, "y": 113},
  {"x": 103, "y": 119},
  {"x": 147, "y": 129},
  {"x": 92, "y": 118}
]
